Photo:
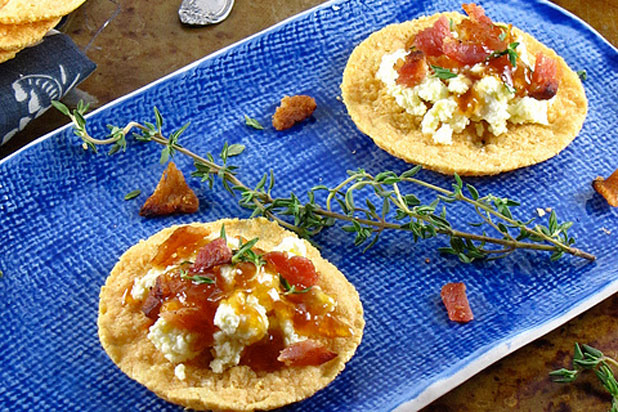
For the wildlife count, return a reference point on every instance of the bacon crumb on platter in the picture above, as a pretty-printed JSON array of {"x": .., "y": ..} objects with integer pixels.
[
  {"x": 178, "y": 289},
  {"x": 608, "y": 188},
  {"x": 172, "y": 195},
  {"x": 456, "y": 302},
  {"x": 292, "y": 110}
]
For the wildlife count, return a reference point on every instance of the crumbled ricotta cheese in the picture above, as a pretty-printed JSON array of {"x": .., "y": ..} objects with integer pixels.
[
  {"x": 228, "y": 273},
  {"x": 237, "y": 330},
  {"x": 494, "y": 108},
  {"x": 444, "y": 112},
  {"x": 292, "y": 245},
  {"x": 175, "y": 344},
  {"x": 273, "y": 294},
  {"x": 266, "y": 278},
  {"x": 458, "y": 85},
  {"x": 180, "y": 371},
  {"x": 289, "y": 333},
  {"x": 522, "y": 52},
  {"x": 141, "y": 286},
  {"x": 529, "y": 110},
  {"x": 431, "y": 89},
  {"x": 498, "y": 103}
]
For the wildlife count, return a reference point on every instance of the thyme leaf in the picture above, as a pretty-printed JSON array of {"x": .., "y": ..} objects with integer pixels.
[
  {"x": 245, "y": 254},
  {"x": 583, "y": 75},
  {"x": 291, "y": 289},
  {"x": 132, "y": 194},
  {"x": 251, "y": 122},
  {"x": 510, "y": 51},
  {"x": 588, "y": 358},
  {"x": 442, "y": 73},
  {"x": 199, "y": 279}
]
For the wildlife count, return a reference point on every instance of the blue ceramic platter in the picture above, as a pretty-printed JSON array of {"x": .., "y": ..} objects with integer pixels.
[{"x": 64, "y": 222}]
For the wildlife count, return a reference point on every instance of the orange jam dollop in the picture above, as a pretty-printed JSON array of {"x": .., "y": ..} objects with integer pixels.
[{"x": 199, "y": 274}]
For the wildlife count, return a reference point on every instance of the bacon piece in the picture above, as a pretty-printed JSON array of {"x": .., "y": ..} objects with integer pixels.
[
  {"x": 545, "y": 79},
  {"x": 306, "y": 353},
  {"x": 466, "y": 53},
  {"x": 297, "y": 270},
  {"x": 608, "y": 188},
  {"x": 293, "y": 110},
  {"x": 430, "y": 40},
  {"x": 477, "y": 13},
  {"x": 454, "y": 298},
  {"x": 172, "y": 195},
  {"x": 480, "y": 29},
  {"x": 152, "y": 303},
  {"x": 413, "y": 70},
  {"x": 215, "y": 253}
]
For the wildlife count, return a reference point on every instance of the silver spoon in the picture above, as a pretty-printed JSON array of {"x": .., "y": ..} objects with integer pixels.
[{"x": 204, "y": 12}]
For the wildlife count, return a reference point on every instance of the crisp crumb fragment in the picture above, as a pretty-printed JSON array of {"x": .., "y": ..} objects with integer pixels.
[
  {"x": 548, "y": 209},
  {"x": 293, "y": 110},
  {"x": 606, "y": 231},
  {"x": 172, "y": 195},
  {"x": 540, "y": 212},
  {"x": 608, "y": 188},
  {"x": 427, "y": 260}
]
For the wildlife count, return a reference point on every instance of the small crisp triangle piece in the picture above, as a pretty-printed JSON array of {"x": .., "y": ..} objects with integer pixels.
[{"x": 172, "y": 195}]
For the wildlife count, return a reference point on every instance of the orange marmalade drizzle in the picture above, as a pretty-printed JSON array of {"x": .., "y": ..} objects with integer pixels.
[{"x": 191, "y": 306}]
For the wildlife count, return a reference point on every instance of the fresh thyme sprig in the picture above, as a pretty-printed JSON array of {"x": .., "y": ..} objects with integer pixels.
[
  {"x": 245, "y": 254},
  {"x": 199, "y": 279},
  {"x": 389, "y": 208},
  {"x": 588, "y": 358},
  {"x": 442, "y": 73},
  {"x": 510, "y": 51}
]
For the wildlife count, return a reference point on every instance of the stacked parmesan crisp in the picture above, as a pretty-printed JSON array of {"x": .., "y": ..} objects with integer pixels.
[{"x": 23, "y": 23}]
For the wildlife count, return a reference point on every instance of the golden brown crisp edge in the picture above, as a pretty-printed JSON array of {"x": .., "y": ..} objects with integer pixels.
[
  {"x": 123, "y": 330},
  {"x": 376, "y": 114}
]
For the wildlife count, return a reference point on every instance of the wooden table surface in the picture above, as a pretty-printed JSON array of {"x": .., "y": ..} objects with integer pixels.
[{"x": 144, "y": 42}]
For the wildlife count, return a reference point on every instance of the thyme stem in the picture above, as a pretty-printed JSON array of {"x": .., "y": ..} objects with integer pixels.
[{"x": 311, "y": 218}]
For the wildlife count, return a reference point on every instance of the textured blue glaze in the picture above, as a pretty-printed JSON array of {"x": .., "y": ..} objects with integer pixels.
[{"x": 63, "y": 223}]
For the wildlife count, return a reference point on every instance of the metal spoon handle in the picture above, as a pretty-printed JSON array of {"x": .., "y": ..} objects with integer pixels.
[{"x": 204, "y": 12}]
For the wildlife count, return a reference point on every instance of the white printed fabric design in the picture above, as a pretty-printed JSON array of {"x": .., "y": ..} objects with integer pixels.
[{"x": 35, "y": 92}]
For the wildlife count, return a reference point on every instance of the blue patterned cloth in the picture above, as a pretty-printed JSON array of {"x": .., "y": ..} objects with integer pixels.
[{"x": 35, "y": 77}]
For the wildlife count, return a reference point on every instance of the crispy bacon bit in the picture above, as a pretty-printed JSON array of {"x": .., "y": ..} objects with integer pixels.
[
  {"x": 413, "y": 70},
  {"x": 183, "y": 303},
  {"x": 478, "y": 38},
  {"x": 306, "y": 353},
  {"x": 545, "y": 79},
  {"x": 465, "y": 53},
  {"x": 215, "y": 253},
  {"x": 293, "y": 110},
  {"x": 608, "y": 188},
  {"x": 430, "y": 40},
  {"x": 454, "y": 298},
  {"x": 172, "y": 195},
  {"x": 152, "y": 303},
  {"x": 477, "y": 13},
  {"x": 297, "y": 270}
]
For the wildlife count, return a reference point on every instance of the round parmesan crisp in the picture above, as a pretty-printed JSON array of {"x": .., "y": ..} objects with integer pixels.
[
  {"x": 7, "y": 55},
  {"x": 123, "y": 333},
  {"x": 377, "y": 114},
  {"x": 17, "y": 36},
  {"x": 24, "y": 11}
]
